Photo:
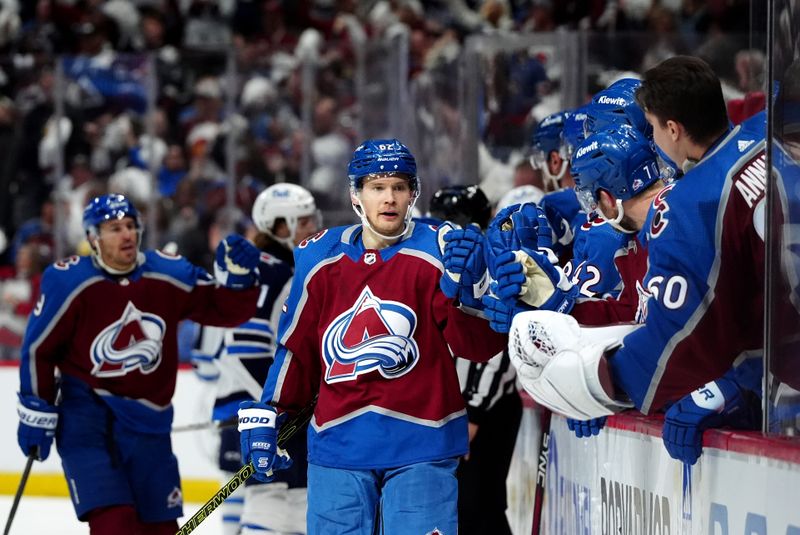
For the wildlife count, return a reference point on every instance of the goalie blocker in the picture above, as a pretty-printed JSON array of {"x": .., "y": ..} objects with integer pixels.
[{"x": 562, "y": 365}]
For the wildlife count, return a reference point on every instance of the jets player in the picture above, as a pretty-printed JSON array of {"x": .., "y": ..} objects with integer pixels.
[
  {"x": 102, "y": 339},
  {"x": 285, "y": 215},
  {"x": 706, "y": 255},
  {"x": 369, "y": 327}
]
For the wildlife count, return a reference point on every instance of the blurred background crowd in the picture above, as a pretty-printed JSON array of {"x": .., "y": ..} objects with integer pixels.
[{"x": 192, "y": 107}]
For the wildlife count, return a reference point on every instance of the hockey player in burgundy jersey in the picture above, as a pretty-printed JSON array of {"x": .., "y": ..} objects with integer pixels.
[
  {"x": 368, "y": 328},
  {"x": 706, "y": 256},
  {"x": 103, "y": 339}
]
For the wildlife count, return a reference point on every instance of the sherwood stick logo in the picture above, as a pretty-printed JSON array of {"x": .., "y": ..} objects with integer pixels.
[{"x": 216, "y": 500}]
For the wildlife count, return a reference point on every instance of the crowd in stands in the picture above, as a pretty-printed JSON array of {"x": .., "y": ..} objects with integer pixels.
[{"x": 100, "y": 96}]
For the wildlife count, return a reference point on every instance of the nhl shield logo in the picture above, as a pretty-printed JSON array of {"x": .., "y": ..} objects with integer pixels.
[
  {"x": 374, "y": 334},
  {"x": 370, "y": 258}
]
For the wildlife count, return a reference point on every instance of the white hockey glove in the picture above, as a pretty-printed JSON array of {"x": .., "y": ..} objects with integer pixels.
[{"x": 558, "y": 362}]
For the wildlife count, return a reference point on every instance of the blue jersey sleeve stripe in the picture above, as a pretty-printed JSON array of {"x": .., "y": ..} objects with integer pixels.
[{"x": 296, "y": 303}]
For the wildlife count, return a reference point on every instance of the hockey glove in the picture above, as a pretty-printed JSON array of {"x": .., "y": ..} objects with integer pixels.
[
  {"x": 465, "y": 276},
  {"x": 37, "y": 425},
  {"x": 712, "y": 405},
  {"x": 499, "y": 312},
  {"x": 236, "y": 262},
  {"x": 546, "y": 286},
  {"x": 586, "y": 428},
  {"x": 258, "y": 427}
]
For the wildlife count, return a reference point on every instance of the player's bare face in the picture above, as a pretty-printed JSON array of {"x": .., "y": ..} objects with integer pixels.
[
  {"x": 306, "y": 226},
  {"x": 386, "y": 201},
  {"x": 662, "y": 136},
  {"x": 118, "y": 243}
]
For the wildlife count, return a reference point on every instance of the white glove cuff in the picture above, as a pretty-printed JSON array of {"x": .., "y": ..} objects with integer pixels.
[
  {"x": 39, "y": 419},
  {"x": 255, "y": 418}
]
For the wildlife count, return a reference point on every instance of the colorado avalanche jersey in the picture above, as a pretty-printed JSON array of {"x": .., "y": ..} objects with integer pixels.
[
  {"x": 592, "y": 267},
  {"x": 564, "y": 214},
  {"x": 371, "y": 331},
  {"x": 118, "y": 334},
  {"x": 705, "y": 275}
]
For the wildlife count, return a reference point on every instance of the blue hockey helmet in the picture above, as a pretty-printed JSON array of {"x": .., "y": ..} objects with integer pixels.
[
  {"x": 546, "y": 138},
  {"x": 108, "y": 208},
  {"x": 382, "y": 156},
  {"x": 619, "y": 160},
  {"x": 547, "y": 135},
  {"x": 616, "y": 105},
  {"x": 572, "y": 134}
]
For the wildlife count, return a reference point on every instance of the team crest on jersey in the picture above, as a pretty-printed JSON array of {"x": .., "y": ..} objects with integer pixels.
[
  {"x": 374, "y": 334},
  {"x": 132, "y": 342}
]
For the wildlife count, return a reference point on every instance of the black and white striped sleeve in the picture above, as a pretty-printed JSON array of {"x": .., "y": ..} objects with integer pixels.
[{"x": 483, "y": 384}]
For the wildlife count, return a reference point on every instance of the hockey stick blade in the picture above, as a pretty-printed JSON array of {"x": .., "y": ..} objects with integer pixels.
[
  {"x": 23, "y": 480},
  {"x": 287, "y": 431}
]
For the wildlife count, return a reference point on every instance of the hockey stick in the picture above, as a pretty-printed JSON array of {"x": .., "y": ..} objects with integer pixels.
[
  {"x": 199, "y": 426},
  {"x": 541, "y": 472},
  {"x": 25, "y": 473},
  {"x": 287, "y": 431}
]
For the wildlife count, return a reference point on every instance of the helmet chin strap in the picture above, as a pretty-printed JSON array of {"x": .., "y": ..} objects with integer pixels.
[
  {"x": 286, "y": 242},
  {"x": 98, "y": 257},
  {"x": 406, "y": 224},
  {"x": 554, "y": 179},
  {"x": 617, "y": 220}
]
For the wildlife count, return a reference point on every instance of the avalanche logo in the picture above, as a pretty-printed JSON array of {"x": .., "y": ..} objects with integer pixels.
[
  {"x": 133, "y": 341},
  {"x": 373, "y": 334}
]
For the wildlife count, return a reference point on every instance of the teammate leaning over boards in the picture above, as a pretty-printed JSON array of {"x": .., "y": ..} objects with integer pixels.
[
  {"x": 369, "y": 329},
  {"x": 107, "y": 323},
  {"x": 706, "y": 255},
  {"x": 285, "y": 215}
]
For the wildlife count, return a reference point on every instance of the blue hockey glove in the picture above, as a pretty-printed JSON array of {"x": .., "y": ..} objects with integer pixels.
[
  {"x": 509, "y": 277},
  {"x": 252, "y": 339},
  {"x": 712, "y": 405},
  {"x": 258, "y": 426},
  {"x": 236, "y": 262},
  {"x": 465, "y": 276},
  {"x": 546, "y": 286},
  {"x": 517, "y": 228},
  {"x": 499, "y": 312},
  {"x": 37, "y": 425},
  {"x": 586, "y": 428}
]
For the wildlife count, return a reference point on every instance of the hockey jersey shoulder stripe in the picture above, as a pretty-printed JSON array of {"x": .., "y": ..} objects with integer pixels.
[
  {"x": 423, "y": 255},
  {"x": 298, "y": 302},
  {"x": 50, "y": 309}
]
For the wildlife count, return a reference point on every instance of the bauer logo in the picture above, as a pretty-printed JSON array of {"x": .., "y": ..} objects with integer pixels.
[
  {"x": 615, "y": 101},
  {"x": 373, "y": 334},
  {"x": 260, "y": 445},
  {"x": 586, "y": 149},
  {"x": 133, "y": 342}
]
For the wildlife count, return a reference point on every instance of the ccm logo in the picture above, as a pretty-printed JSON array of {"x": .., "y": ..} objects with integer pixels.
[{"x": 255, "y": 420}]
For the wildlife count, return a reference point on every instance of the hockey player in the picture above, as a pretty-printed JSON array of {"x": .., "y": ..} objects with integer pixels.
[
  {"x": 107, "y": 325},
  {"x": 494, "y": 408},
  {"x": 548, "y": 154},
  {"x": 369, "y": 327},
  {"x": 285, "y": 215},
  {"x": 706, "y": 254}
]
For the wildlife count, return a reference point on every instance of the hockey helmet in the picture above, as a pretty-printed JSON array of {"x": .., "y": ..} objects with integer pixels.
[
  {"x": 461, "y": 205},
  {"x": 284, "y": 201}
]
